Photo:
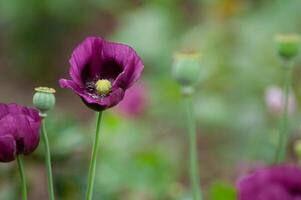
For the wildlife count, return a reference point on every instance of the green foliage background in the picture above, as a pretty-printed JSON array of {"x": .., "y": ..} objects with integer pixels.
[{"x": 145, "y": 157}]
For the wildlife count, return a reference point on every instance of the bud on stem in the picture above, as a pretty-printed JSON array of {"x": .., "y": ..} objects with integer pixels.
[{"x": 288, "y": 45}]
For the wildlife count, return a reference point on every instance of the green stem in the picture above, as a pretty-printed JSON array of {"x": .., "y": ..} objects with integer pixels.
[
  {"x": 48, "y": 161},
  {"x": 92, "y": 168},
  {"x": 283, "y": 137},
  {"x": 23, "y": 176},
  {"x": 193, "y": 155}
]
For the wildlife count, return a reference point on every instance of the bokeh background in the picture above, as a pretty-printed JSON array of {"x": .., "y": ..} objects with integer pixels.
[{"x": 143, "y": 153}]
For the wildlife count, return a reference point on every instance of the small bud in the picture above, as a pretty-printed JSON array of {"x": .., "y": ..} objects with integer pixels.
[
  {"x": 44, "y": 99},
  {"x": 297, "y": 148},
  {"x": 186, "y": 68},
  {"x": 288, "y": 45}
]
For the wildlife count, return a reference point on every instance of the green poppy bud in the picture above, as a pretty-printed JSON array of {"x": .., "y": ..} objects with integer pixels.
[
  {"x": 288, "y": 45},
  {"x": 297, "y": 148},
  {"x": 44, "y": 99},
  {"x": 186, "y": 68}
]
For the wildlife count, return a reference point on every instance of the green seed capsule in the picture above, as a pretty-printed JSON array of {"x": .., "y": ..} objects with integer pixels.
[
  {"x": 186, "y": 68},
  {"x": 44, "y": 99},
  {"x": 288, "y": 45}
]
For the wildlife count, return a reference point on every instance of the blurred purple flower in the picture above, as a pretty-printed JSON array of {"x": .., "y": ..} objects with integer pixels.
[
  {"x": 274, "y": 183},
  {"x": 19, "y": 131},
  {"x": 274, "y": 101},
  {"x": 102, "y": 71},
  {"x": 135, "y": 101}
]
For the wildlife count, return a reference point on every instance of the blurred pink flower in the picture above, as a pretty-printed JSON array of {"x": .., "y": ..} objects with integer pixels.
[
  {"x": 274, "y": 100},
  {"x": 282, "y": 182},
  {"x": 135, "y": 101}
]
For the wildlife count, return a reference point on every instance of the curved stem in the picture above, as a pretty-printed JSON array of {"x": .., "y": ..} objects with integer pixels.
[
  {"x": 22, "y": 176},
  {"x": 193, "y": 155},
  {"x": 92, "y": 167},
  {"x": 282, "y": 143},
  {"x": 48, "y": 161}
]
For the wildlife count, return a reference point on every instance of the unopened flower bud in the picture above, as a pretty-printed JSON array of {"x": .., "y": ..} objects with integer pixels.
[
  {"x": 44, "y": 99},
  {"x": 297, "y": 148},
  {"x": 186, "y": 68},
  {"x": 288, "y": 45}
]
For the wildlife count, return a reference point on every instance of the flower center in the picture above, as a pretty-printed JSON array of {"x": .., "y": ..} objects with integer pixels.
[{"x": 103, "y": 86}]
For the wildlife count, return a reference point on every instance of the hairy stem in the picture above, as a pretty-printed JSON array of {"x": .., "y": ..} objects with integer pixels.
[
  {"x": 92, "y": 168},
  {"x": 283, "y": 137},
  {"x": 22, "y": 176},
  {"x": 193, "y": 155},
  {"x": 48, "y": 161}
]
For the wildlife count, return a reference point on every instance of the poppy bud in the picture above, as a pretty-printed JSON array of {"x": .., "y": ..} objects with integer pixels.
[
  {"x": 297, "y": 148},
  {"x": 186, "y": 68},
  {"x": 288, "y": 45},
  {"x": 19, "y": 131},
  {"x": 44, "y": 98}
]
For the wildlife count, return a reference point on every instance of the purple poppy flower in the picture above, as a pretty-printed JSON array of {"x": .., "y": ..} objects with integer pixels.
[
  {"x": 275, "y": 183},
  {"x": 19, "y": 131},
  {"x": 134, "y": 102},
  {"x": 102, "y": 71}
]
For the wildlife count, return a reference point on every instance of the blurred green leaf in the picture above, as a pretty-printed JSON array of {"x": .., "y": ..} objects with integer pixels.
[{"x": 222, "y": 191}]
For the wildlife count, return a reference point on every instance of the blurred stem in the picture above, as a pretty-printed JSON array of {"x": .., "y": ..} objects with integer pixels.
[
  {"x": 193, "y": 155},
  {"x": 22, "y": 176},
  {"x": 47, "y": 160},
  {"x": 283, "y": 137},
  {"x": 92, "y": 168}
]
